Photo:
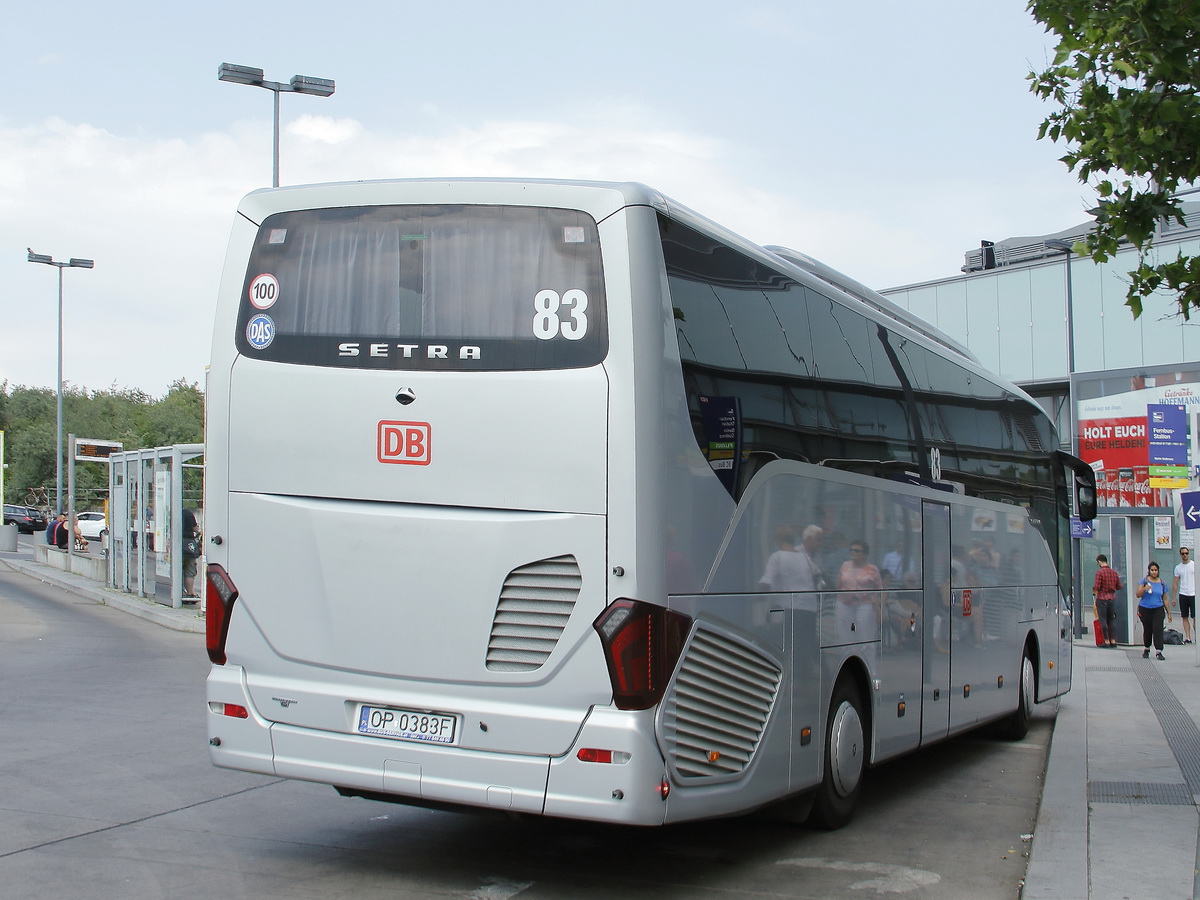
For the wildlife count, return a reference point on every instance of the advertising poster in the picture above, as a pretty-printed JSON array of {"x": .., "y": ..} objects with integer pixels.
[
  {"x": 162, "y": 522},
  {"x": 1137, "y": 441},
  {"x": 1162, "y": 532}
]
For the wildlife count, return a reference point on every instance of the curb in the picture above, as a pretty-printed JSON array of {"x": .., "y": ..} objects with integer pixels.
[
  {"x": 1058, "y": 858},
  {"x": 185, "y": 620}
]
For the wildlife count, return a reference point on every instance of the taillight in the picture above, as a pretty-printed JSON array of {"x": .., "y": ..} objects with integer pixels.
[
  {"x": 641, "y": 644},
  {"x": 219, "y": 596},
  {"x": 595, "y": 755}
]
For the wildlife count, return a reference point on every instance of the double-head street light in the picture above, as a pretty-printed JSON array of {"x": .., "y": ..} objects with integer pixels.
[
  {"x": 300, "y": 84},
  {"x": 58, "y": 445}
]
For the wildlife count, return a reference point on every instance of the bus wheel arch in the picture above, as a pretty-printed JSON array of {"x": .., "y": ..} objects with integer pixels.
[
  {"x": 1016, "y": 726},
  {"x": 846, "y": 750}
]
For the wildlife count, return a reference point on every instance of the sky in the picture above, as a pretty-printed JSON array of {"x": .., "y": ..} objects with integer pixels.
[{"x": 883, "y": 138}]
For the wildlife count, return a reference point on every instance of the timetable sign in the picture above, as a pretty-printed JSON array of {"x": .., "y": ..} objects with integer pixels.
[{"x": 87, "y": 450}]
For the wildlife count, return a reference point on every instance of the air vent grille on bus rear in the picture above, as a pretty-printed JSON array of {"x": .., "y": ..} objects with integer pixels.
[
  {"x": 718, "y": 706},
  {"x": 535, "y": 605}
]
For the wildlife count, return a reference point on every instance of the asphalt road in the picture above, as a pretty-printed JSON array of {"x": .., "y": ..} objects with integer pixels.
[{"x": 106, "y": 792}]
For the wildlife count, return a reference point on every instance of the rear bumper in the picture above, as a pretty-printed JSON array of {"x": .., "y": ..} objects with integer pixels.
[
  {"x": 626, "y": 793},
  {"x": 441, "y": 774}
]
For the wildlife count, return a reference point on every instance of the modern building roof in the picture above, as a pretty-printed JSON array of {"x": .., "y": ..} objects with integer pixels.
[{"x": 1012, "y": 251}]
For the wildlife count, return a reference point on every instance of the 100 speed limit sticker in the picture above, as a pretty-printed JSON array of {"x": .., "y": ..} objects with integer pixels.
[{"x": 264, "y": 291}]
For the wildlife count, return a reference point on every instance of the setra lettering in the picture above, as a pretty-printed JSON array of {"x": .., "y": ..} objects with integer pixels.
[{"x": 383, "y": 350}]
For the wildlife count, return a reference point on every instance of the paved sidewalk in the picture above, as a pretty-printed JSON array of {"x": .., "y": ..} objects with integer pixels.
[
  {"x": 189, "y": 618},
  {"x": 1118, "y": 818}
]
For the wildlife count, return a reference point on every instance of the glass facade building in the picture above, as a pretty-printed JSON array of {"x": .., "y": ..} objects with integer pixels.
[
  {"x": 1057, "y": 325},
  {"x": 1014, "y": 315}
]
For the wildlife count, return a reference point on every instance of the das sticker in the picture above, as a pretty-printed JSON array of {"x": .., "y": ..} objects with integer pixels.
[
  {"x": 260, "y": 331},
  {"x": 264, "y": 291}
]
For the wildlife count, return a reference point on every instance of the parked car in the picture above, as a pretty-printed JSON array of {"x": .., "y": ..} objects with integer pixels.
[
  {"x": 92, "y": 525},
  {"x": 27, "y": 519}
]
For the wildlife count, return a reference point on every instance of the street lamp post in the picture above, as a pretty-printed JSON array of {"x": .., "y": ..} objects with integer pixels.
[
  {"x": 58, "y": 446},
  {"x": 300, "y": 84},
  {"x": 1068, "y": 249}
]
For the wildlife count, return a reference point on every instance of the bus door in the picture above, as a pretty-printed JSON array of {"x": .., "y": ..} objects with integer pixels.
[{"x": 938, "y": 618}]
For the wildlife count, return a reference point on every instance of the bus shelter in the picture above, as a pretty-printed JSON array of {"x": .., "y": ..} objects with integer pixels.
[{"x": 148, "y": 491}]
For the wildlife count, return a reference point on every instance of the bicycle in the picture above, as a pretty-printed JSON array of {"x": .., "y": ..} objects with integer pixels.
[{"x": 39, "y": 497}]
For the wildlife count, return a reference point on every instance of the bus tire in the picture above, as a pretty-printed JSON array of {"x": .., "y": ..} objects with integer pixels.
[
  {"x": 794, "y": 810},
  {"x": 1016, "y": 726},
  {"x": 845, "y": 759}
]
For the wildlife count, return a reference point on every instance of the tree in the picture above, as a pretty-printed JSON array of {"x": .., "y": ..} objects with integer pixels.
[
  {"x": 178, "y": 418},
  {"x": 28, "y": 416},
  {"x": 30, "y": 453},
  {"x": 1127, "y": 76}
]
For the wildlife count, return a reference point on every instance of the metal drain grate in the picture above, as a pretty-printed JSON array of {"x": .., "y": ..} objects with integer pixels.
[
  {"x": 1147, "y": 793},
  {"x": 1109, "y": 669},
  {"x": 1183, "y": 736}
]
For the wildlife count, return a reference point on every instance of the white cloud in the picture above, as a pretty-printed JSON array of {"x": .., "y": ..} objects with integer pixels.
[
  {"x": 155, "y": 215},
  {"x": 152, "y": 214},
  {"x": 324, "y": 129}
]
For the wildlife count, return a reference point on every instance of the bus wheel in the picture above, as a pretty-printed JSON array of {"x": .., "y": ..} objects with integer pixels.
[
  {"x": 794, "y": 810},
  {"x": 1016, "y": 726},
  {"x": 845, "y": 759}
]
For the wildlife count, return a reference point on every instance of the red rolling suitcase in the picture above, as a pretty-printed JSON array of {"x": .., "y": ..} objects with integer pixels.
[{"x": 1099, "y": 634}]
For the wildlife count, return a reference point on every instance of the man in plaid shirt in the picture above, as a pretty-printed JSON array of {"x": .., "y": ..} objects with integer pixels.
[{"x": 1104, "y": 592}]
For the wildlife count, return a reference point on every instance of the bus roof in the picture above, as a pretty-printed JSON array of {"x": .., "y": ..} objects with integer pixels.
[{"x": 599, "y": 199}]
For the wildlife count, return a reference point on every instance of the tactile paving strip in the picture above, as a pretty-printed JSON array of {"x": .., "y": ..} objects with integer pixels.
[
  {"x": 1139, "y": 792},
  {"x": 1183, "y": 736}
]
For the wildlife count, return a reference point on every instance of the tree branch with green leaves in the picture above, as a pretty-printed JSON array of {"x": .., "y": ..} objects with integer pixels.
[{"x": 1126, "y": 75}]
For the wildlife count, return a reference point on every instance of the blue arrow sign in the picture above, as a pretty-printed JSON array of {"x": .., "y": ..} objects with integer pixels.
[{"x": 1190, "y": 502}]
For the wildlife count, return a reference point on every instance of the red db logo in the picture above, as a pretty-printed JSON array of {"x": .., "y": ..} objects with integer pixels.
[{"x": 404, "y": 443}]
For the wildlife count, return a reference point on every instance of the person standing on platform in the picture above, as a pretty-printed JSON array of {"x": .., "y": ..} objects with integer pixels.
[
  {"x": 1184, "y": 587},
  {"x": 1153, "y": 600},
  {"x": 1104, "y": 594}
]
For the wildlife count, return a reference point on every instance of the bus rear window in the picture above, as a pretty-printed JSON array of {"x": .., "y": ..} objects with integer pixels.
[{"x": 426, "y": 287}]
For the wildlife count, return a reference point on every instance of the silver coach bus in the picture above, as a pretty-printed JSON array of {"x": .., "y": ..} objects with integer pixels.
[{"x": 558, "y": 498}]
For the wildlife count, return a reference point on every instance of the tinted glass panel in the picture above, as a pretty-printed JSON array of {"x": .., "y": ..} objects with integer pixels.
[
  {"x": 791, "y": 309},
  {"x": 819, "y": 381},
  {"x": 885, "y": 365},
  {"x": 703, "y": 325},
  {"x": 450, "y": 287},
  {"x": 840, "y": 341},
  {"x": 712, "y": 288},
  {"x": 821, "y": 520},
  {"x": 757, "y": 331}
]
